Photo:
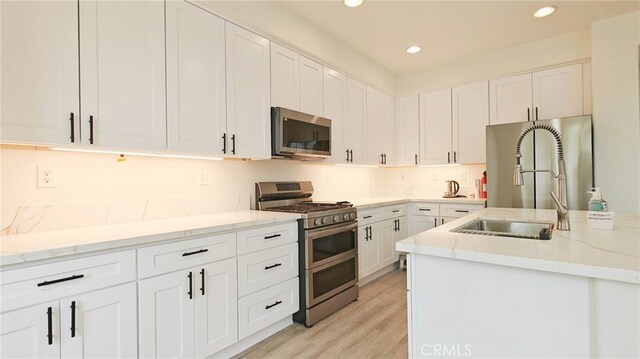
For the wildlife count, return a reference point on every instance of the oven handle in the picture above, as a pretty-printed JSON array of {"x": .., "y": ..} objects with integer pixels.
[{"x": 322, "y": 232}]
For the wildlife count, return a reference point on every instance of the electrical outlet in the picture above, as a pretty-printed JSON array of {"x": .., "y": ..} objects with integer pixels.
[
  {"x": 46, "y": 178},
  {"x": 463, "y": 176},
  {"x": 203, "y": 178}
]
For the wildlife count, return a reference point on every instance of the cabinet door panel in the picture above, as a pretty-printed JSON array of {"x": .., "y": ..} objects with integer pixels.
[
  {"x": 196, "y": 98},
  {"x": 387, "y": 129},
  {"x": 354, "y": 127},
  {"x": 311, "y": 87},
  {"x": 39, "y": 71},
  {"x": 248, "y": 92},
  {"x": 122, "y": 66},
  {"x": 335, "y": 106},
  {"x": 399, "y": 235},
  {"x": 285, "y": 77},
  {"x": 509, "y": 99},
  {"x": 470, "y": 117},
  {"x": 23, "y": 333},
  {"x": 420, "y": 224},
  {"x": 407, "y": 130},
  {"x": 216, "y": 321},
  {"x": 373, "y": 151},
  {"x": 558, "y": 92},
  {"x": 105, "y": 324},
  {"x": 166, "y": 316},
  {"x": 373, "y": 247},
  {"x": 386, "y": 239},
  {"x": 435, "y": 128}
]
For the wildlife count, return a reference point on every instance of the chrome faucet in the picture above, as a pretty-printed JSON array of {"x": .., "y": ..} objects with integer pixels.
[{"x": 562, "y": 220}]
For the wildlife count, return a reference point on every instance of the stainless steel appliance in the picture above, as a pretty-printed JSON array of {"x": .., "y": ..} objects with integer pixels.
[
  {"x": 539, "y": 152},
  {"x": 327, "y": 247},
  {"x": 299, "y": 135},
  {"x": 452, "y": 189}
]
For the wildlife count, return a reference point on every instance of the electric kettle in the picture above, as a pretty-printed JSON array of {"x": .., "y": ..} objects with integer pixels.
[{"x": 452, "y": 189}]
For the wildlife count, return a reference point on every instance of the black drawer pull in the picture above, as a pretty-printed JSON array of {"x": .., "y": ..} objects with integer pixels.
[
  {"x": 73, "y": 319},
  {"x": 396, "y": 211},
  {"x": 49, "y": 282},
  {"x": 462, "y": 211},
  {"x": 196, "y": 252},
  {"x": 424, "y": 209},
  {"x": 273, "y": 305},
  {"x": 203, "y": 280},
  {"x": 365, "y": 217},
  {"x": 273, "y": 236},
  {"x": 273, "y": 266},
  {"x": 49, "y": 326}
]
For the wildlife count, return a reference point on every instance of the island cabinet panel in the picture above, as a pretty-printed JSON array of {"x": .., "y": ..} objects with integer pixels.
[{"x": 488, "y": 310}]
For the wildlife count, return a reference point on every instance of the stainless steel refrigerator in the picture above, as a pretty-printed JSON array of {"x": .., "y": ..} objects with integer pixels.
[{"x": 539, "y": 153}]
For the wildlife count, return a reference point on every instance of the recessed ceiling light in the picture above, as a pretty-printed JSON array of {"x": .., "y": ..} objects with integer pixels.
[
  {"x": 545, "y": 11},
  {"x": 353, "y": 3},
  {"x": 414, "y": 49}
]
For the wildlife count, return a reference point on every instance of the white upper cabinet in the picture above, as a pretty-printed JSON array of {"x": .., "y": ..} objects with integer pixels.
[
  {"x": 196, "y": 89},
  {"x": 335, "y": 106},
  {"x": 296, "y": 81},
  {"x": 558, "y": 92},
  {"x": 40, "y": 93},
  {"x": 248, "y": 93},
  {"x": 354, "y": 127},
  {"x": 373, "y": 152},
  {"x": 510, "y": 99},
  {"x": 407, "y": 130},
  {"x": 470, "y": 117},
  {"x": 311, "y": 87},
  {"x": 122, "y": 68},
  {"x": 387, "y": 129},
  {"x": 435, "y": 128},
  {"x": 285, "y": 77}
]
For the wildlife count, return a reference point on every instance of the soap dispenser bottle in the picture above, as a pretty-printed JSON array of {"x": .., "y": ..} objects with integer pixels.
[{"x": 596, "y": 203}]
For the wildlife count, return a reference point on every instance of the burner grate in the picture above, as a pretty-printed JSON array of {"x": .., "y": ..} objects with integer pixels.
[{"x": 310, "y": 207}]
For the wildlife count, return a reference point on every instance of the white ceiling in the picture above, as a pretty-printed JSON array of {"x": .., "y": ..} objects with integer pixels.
[{"x": 447, "y": 30}]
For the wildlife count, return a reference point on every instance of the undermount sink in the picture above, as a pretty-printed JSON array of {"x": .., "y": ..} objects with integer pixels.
[{"x": 504, "y": 228}]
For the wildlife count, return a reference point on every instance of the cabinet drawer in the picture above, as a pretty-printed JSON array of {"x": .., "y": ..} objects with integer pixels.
[
  {"x": 369, "y": 216},
  {"x": 458, "y": 210},
  {"x": 174, "y": 256},
  {"x": 259, "y": 310},
  {"x": 260, "y": 270},
  {"x": 254, "y": 240},
  {"x": 425, "y": 209},
  {"x": 393, "y": 211},
  {"x": 39, "y": 283}
]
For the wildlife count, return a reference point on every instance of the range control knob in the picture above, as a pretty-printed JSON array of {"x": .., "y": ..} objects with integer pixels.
[
  {"x": 336, "y": 218},
  {"x": 317, "y": 222},
  {"x": 324, "y": 220},
  {"x": 345, "y": 217},
  {"x": 352, "y": 215}
]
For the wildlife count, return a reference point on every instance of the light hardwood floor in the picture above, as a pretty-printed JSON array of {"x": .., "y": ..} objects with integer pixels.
[{"x": 373, "y": 327}]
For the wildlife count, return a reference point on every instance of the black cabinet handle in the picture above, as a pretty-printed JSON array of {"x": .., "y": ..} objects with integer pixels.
[
  {"x": 347, "y": 155},
  {"x": 195, "y": 252},
  {"x": 435, "y": 222},
  {"x": 462, "y": 211},
  {"x": 396, "y": 211},
  {"x": 91, "y": 129},
  {"x": 528, "y": 114},
  {"x": 381, "y": 159},
  {"x": 455, "y": 160},
  {"x": 202, "y": 277},
  {"x": 73, "y": 128},
  {"x": 370, "y": 233},
  {"x": 365, "y": 217},
  {"x": 536, "y": 113},
  {"x": 272, "y": 266},
  {"x": 273, "y": 305},
  {"x": 233, "y": 144},
  {"x": 442, "y": 220},
  {"x": 49, "y": 282},
  {"x": 273, "y": 236},
  {"x": 351, "y": 156},
  {"x": 224, "y": 143},
  {"x": 190, "y": 292},
  {"x": 448, "y": 157},
  {"x": 416, "y": 158},
  {"x": 50, "y": 326},
  {"x": 73, "y": 319},
  {"x": 385, "y": 158},
  {"x": 424, "y": 209}
]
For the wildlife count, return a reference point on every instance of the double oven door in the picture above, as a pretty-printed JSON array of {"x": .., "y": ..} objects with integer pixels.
[{"x": 331, "y": 261}]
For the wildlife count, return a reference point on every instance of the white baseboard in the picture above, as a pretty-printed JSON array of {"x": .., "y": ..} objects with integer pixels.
[
  {"x": 390, "y": 268},
  {"x": 253, "y": 339}
]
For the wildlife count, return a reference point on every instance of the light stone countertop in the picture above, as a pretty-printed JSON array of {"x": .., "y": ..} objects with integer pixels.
[
  {"x": 606, "y": 254},
  {"x": 22, "y": 248},
  {"x": 373, "y": 202}
]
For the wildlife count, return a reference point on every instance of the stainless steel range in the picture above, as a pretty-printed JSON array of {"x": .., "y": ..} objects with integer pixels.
[{"x": 327, "y": 245}]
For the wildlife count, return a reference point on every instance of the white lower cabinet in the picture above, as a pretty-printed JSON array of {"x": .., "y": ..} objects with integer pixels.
[
  {"x": 96, "y": 324},
  {"x": 377, "y": 237},
  {"x": 425, "y": 216},
  {"x": 189, "y": 313}
]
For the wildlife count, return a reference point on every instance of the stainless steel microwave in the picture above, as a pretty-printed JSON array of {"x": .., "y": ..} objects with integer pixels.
[{"x": 297, "y": 135}]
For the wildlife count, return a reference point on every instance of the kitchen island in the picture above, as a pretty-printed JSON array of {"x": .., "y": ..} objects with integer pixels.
[{"x": 574, "y": 295}]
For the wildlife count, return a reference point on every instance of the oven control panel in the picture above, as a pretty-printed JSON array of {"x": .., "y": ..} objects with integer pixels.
[{"x": 326, "y": 220}]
